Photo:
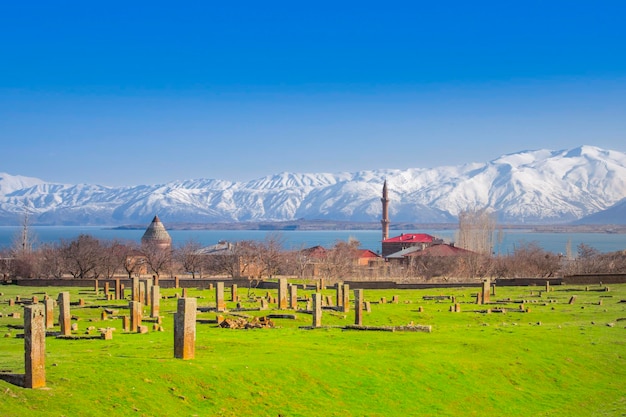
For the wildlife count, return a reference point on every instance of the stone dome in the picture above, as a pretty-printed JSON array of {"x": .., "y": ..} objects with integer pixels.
[{"x": 156, "y": 234}]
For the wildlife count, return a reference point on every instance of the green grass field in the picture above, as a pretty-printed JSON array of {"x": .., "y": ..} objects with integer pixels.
[{"x": 556, "y": 359}]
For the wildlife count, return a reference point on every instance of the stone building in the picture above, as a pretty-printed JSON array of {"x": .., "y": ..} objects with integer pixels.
[{"x": 157, "y": 235}]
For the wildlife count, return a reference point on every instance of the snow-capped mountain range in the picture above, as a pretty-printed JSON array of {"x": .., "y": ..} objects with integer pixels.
[{"x": 540, "y": 186}]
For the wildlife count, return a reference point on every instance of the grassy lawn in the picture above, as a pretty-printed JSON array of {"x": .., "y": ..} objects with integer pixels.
[{"x": 557, "y": 359}]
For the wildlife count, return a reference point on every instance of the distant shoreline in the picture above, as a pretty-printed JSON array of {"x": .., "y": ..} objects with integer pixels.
[{"x": 303, "y": 225}]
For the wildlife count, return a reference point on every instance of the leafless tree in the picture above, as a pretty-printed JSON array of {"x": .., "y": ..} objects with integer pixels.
[
  {"x": 270, "y": 255},
  {"x": 157, "y": 257},
  {"x": 82, "y": 256},
  {"x": 132, "y": 258},
  {"x": 476, "y": 231},
  {"x": 340, "y": 260},
  {"x": 112, "y": 258},
  {"x": 189, "y": 257},
  {"x": 51, "y": 261}
]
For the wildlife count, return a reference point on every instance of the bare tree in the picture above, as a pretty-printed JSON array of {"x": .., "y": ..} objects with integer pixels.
[
  {"x": 476, "y": 231},
  {"x": 51, "y": 261},
  {"x": 270, "y": 255},
  {"x": 132, "y": 258},
  {"x": 82, "y": 256},
  {"x": 190, "y": 258},
  {"x": 157, "y": 257},
  {"x": 112, "y": 257}
]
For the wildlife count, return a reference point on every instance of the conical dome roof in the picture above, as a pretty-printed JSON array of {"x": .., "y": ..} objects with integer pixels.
[{"x": 156, "y": 233}]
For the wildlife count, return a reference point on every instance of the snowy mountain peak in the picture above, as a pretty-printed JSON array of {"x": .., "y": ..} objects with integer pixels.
[{"x": 532, "y": 186}]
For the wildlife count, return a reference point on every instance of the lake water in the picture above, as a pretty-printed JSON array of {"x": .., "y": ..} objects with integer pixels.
[{"x": 295, "y": 239}]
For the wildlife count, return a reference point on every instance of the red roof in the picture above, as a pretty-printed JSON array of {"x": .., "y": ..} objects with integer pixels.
[
  {"x": 411, "y": 237},
  {"x": 366, "y": 253},
  {"x": 440, "y": 250}
]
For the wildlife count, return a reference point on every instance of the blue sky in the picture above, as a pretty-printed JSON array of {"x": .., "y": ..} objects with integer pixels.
[{"x": 126, "y": 93}]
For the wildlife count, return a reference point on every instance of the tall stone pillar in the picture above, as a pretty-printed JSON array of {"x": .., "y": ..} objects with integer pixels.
[
  {"x": 339, "y": 288},
  {"x": 346, "y": 298},
  {"x": 64, "y": 313},
  {"x": 106, "y": 289},
  {"x": 233, "y": 293},
  {"x": 358, "y": 307},
  {"x": 317, "y": 309},
  {"x": 220, "y": 304},
  {"x": 135, "y": 315},
  {"x": 293, "y": 296},
  {"x": 282, "y": 294},
  {"x": 34, "y": 346},
  {"x": 96, "y": 287},
  {"x": 118, "y": 289},
  {"x": 185, "y": 329},
  {"x": 148, "y": 297},
  {"x": 49, "y": 307},
  {"x": 155, "y": 301},
  {"x": 135, "y": 290},
  {"x": 486, "y": 291}
]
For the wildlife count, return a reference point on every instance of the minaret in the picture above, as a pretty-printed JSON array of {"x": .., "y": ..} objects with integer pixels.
[{"x": 385, "y": 220}]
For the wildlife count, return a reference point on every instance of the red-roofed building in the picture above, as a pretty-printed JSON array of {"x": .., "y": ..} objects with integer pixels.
[
  {"x": 441, "y": 250},
  {"x": 367, "y": 257},
  {"x": 407, "y": 240}
]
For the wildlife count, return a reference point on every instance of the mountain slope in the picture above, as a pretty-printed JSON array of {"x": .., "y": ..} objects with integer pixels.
[{"x": 538, "y": 186}]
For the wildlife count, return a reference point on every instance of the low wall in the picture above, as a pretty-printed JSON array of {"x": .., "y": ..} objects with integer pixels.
[{"x": 582, "y": 279}]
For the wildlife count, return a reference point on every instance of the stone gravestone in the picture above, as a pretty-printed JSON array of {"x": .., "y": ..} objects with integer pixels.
[
  {"x": 368, "y": 307},
  {"x": 64, "y": 313},
  {"x": 293, "y": 297},
  {"x": 135, "y": 290},
  {"x": 34, "y": 346},
  {"x": 346, "y": 298},
  {"x": 572, "y": 299},
  {"x": 118, "y": 289},
  {"x": 106, "y": 289},
  {"x": 317, "y": 309},
  {"x": 148, "y": 296},
  {"x": 282, "y": 294},
  {"x": 185, "y": 329},
  {"x": 155, "y": 301},
  {"x": 486, "y": 292},
  {"x": 135, "y": 315},
  {"x": 339, "y": 290},
  {"x": 96, "y": 287},
  {"x": 176, "y": 282},
  {"x": 220, "y": 304},
  {"x": 49, "y": 306},
  {"x": 358, "y": 307},
  {"x": 142, "y": 291},
  {"x": 233, "y": 293},
  {"x": 263, "y": 302},
  {"x": 547, "y": 286}
]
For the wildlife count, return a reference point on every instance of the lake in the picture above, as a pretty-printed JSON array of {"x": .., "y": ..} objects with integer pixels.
[{"x": 295, "y": 239}]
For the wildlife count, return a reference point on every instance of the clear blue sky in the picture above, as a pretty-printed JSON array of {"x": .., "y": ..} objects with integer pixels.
[{"x": 126, "y": 93}]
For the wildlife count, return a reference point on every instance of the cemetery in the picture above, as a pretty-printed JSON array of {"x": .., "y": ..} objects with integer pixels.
[{"x": 303, "y": 348}]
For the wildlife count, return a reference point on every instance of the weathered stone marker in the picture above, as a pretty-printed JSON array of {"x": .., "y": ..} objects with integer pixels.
[
  {"x": 185, "y": 329},
  {"x": 184, "y": 294},
  {"x": 96, "y": 287},
  {"x": 148, "y": 298},
  {"x": 263, "y": 302},
  {"x": 293, "y": 297},
  {"x": 339, "y": 290},
  {"x": 106, "y": 289},
  {"x": 64, "y": 313},
  {"x": 572, "y": 299},
  {"x": 176, "y": 282},
  {"x": 282, "y": 294},
  {"x": 486, "y": 292},
  {"x": 34, "y": 346},
  {"x": 126, "y": 323},
  {"x": 49, "y": 307},
  {"x": 547, "y": 286},
  {"x": 317, "y": 309},
  {"x": 142, "y": 291},
  {"x": 155, "y": 301},
  {"x": 220, "y": 304},
  {"x": 358, "y": 307},
  {"x": 135, "y": 290},
  {"x": 118, "y": 289},
  {"x": 135, "y": 315},
  {"x": 233, "y": 293},
  {"x": 346, "y": 298},
  {"x": 368, "y": 307}
]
